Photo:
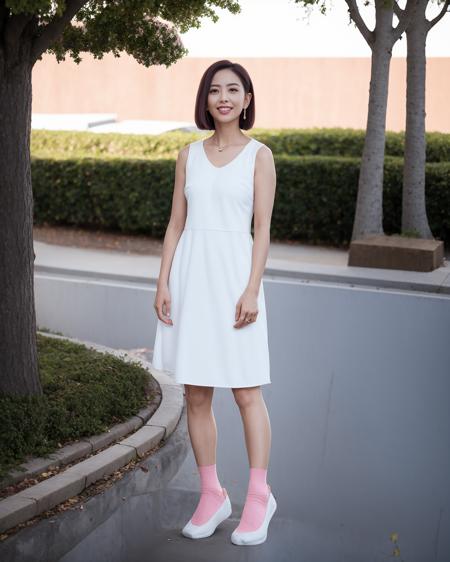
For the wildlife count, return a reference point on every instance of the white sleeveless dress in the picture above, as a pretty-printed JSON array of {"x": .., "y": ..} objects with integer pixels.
[{"x": 210, "y": 270}]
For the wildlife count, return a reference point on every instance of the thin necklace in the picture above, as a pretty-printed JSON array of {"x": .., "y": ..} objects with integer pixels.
[{"x": 220, "y": 149}]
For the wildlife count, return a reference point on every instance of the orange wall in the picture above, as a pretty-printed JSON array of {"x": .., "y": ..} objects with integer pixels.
[{"x": 289, "y": 92}]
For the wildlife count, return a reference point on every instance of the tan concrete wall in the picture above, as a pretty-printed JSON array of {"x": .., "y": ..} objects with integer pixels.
[{"x": 289, "y": 92}]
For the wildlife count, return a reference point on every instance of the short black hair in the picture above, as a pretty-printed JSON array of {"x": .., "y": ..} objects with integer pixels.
[{"x": 203, "y": 119}]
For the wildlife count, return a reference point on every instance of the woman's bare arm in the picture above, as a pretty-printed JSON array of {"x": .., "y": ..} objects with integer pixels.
[
  {"x": 265, "y": 185},
  {"x": 264, "y": 196},
  {"x": 173, "y": 232}
]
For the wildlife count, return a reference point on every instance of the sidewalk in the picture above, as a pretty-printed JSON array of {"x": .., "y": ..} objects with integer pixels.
[{"x": 137, "y": 259}]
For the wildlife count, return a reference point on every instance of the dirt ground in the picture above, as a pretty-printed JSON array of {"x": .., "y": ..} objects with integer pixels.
[{"x": 90, "y": 238}]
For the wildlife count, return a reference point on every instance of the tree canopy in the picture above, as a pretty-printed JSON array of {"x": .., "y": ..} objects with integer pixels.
[{"x": 145, "y": 29}]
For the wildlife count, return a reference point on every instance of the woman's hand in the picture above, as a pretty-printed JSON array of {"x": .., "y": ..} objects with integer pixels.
[
  {"x": 162, "y": 304},
  {"x": 246, "y": 309}
]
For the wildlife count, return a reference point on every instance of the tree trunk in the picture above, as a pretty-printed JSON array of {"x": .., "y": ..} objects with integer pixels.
[
  {"x": 414, "y": 215},
  {"x": 19, "y": 373},
  {"x": 369, "y": 203}
]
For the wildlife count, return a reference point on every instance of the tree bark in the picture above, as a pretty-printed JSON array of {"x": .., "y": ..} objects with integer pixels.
[
  {"x": 369, "y": 203},
  {"x": 19, "y": 374},
  {"x": 414, "y": 214}
]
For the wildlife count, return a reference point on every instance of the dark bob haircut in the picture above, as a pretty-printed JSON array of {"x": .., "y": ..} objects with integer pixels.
[{"x": 203, "y": 119}]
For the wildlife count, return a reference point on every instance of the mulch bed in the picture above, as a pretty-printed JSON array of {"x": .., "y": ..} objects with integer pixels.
[{"x": 104, "y": 240}]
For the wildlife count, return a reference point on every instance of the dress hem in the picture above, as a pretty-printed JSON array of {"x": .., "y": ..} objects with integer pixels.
[
  {"x": 222, "y": 385},
  {"x": 226, "y": 386}
]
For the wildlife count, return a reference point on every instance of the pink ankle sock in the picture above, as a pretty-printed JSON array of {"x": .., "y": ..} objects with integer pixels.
[
  {"x": 212, "y": 495},
  {"x": 256, "y": 502}
]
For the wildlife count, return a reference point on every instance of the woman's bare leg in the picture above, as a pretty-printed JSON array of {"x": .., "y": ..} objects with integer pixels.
[
  {"x": 258, "y": 437},
  {"x": 203, "y": 434},
  {"x": 201, "y": 423},
  {"x": 257, "y": 429}
]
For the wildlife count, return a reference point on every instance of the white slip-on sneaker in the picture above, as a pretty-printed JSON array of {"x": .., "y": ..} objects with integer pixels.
[
  {"x": 259, "y": 535},
  {"x": 207, "y": 529}
]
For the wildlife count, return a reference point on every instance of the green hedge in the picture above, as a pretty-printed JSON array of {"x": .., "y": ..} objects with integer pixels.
[
  {"x": 294, "y": 142},
  {"x": 316, "y": 198},
  {"x": 316, "y": 193}
]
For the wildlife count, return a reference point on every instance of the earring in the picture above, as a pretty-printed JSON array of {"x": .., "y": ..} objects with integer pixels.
[{"x": 244, "y": 113}]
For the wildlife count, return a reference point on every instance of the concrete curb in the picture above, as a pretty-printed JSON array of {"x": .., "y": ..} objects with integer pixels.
[{"x": 155, "y": 428}]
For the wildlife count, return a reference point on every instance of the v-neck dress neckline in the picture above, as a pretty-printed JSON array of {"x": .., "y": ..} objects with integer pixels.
[{"x": 229, "y": 163}]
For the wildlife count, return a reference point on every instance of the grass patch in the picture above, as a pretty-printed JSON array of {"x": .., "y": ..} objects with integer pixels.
[{"x": 84, "y": 393}]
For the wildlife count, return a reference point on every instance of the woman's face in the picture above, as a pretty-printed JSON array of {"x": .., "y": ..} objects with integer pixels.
[{"x": 226, "y": 90}]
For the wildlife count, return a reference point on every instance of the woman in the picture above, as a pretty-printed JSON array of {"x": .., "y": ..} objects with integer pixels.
[{"x": 212, "y": 328}]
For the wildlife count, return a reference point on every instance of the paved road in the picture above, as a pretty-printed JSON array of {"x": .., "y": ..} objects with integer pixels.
[{"x": 133, "y": 521}]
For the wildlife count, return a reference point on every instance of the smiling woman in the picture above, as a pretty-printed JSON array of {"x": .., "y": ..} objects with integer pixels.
[
  {"x": 212, "y": 325},
  {"x": 240, "y": 100}
]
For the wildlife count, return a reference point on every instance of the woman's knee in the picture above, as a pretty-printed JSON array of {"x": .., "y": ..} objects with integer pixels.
[
  {"x": 198, "y": 396},
  {"x": 246, "y": 396}
]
